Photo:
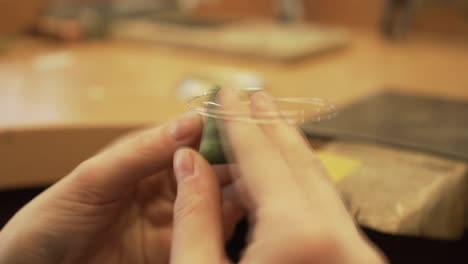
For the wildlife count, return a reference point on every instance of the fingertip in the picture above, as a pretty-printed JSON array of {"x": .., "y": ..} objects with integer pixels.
[
  {"x": 229, "y": 98},
  {"x": 183, "y": 164},
  {"x": 188, "y": 163},
  {"x": 184, "y": 127},
  {"x": 263, "y": 106},
  {"x": 198, "y": 157},
  {"x": 197, "y": 213},
  {"x": 202, "y": 167},
  {"x": 263, "y": 100},
  {"x": 261, "y": 95}
]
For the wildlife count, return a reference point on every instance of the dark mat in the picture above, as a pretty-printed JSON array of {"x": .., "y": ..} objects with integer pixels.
[
  {"x": 399, "y": 249},
  {"x": 12, "y": 200},
  {"x": 412, "y": 250},
  {"x": 438, "y": 126}
]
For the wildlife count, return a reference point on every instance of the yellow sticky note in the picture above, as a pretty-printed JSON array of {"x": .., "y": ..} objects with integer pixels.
[{"x": 338, "y": 166}]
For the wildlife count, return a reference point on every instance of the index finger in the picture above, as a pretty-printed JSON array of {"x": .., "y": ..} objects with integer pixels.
[
  {"x": 265, "y": 174},
  {"x": 108, "y": 174}
]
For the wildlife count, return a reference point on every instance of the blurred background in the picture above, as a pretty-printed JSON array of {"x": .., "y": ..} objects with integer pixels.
[{"x": 76, "y": 74}]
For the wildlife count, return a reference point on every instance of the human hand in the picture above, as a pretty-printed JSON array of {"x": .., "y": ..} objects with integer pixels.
[
  {"x": 296, "y": 214},
  {"x": 116, "y": 207}
]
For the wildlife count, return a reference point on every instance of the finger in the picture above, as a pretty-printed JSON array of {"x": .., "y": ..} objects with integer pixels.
[
  {"x": 306, "y": 167},
  {"x": 168, "y": 186},
  {"x": 233, "y": 210},
  {"x": 287, "y": 138},
  {"x": 266, "y": 176},
  {"x": 198, "y": 231},
  {"x": 111, "y": 172},
  {"x": 224, "y": 173}
]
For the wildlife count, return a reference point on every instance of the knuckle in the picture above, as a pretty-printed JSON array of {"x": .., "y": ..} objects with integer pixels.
[
  {"x": 87, "y": 184},
  {"x": 87, "y": 169},
  {"x": 308, "y": 163},
  {"x": 316, "y": 247},
  {"x": 298, "y": 153},
  {"x": 148, "y": 144},
  {"x": 187, "y": 206},
  {"x": 308, "y": 237}
]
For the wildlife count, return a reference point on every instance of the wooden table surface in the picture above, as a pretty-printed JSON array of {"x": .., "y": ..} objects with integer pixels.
[{"x": 59, "y": 103}]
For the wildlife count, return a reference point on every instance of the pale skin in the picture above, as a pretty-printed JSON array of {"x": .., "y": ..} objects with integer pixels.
[
  {"x": 116, "y": 207},
  {"x": 124, "y": 205}
]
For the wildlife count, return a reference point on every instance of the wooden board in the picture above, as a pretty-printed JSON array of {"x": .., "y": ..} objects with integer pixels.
[
  {"x": 48, "y": 89},
  {"x": 261, "y": 39}
]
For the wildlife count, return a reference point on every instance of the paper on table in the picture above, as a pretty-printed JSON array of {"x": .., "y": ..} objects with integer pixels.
[{"x": 338, "y": 166}]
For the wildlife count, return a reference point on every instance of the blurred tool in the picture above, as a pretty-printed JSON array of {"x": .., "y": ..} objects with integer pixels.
[
  {"x": 290, "y": 10},
  {"x": 399, "y": 14},
  {"x": 158, "y": 6},
  {"x": 70, "y": 21},
  {"x": 142, "y": 7},
  {"x": 190, "y": 5},
  {"x": 397, "y": 17}
]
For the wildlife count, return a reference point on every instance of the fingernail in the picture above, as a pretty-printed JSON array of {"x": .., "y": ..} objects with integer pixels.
[
  {"x": 184, "y": 126},
  {"x": 183, "y": 164},
  {"x": 264, "y": 99},
  {"x": 228, "y": 97}
]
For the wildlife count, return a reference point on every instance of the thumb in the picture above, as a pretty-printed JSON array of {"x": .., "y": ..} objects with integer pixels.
[{"x": 198, "y": 231}]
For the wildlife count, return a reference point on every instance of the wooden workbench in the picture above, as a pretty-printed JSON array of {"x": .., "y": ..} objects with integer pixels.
[{"x": 55, "y": 114}]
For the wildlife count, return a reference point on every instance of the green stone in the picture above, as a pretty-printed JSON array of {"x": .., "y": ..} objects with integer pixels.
[{"x": 211, "y": 147}]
